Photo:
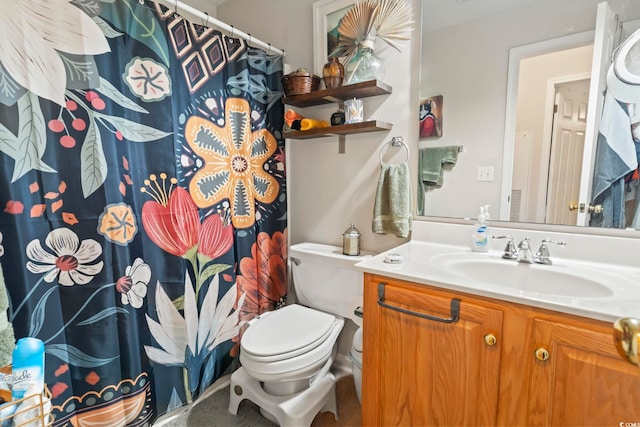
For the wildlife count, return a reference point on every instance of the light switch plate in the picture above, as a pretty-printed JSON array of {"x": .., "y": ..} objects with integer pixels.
[{"x": 486, "y": 173}]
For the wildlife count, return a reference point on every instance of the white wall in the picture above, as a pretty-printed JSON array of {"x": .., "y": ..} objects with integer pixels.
[
  {"x": 467, "y": 64},
  {"x": 535, "y": 74},
  {"x": 327, "y": 190}
]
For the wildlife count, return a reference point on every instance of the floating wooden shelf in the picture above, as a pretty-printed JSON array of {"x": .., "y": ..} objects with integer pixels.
[
  {"x": 338, "y": 94},
  {"x": 368, "y": 126}
]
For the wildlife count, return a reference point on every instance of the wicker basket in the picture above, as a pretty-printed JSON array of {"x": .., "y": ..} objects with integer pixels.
[
  {"x": 300, "y": 82},
  {"x": 29, "y": 411}
]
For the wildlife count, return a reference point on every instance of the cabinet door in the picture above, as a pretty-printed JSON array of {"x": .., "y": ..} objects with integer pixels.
[
  {"x": 584, "y": 381},
  {"x": 423, "y": 372}
]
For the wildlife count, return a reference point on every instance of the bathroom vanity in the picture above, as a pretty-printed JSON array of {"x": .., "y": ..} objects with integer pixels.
[
  {"x": 493, "y": 354},
  {"x": 500, "y": 364}
]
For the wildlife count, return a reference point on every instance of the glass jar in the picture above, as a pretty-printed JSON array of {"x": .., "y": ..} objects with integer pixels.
[
  {"x": 333, "y": 73},
  {"x": 351, "y": 241},
  {"x": 364, "y": 65}
]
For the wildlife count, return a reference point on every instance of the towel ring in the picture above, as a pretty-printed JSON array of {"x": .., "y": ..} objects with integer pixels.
[{"x": 396, "y": 141}]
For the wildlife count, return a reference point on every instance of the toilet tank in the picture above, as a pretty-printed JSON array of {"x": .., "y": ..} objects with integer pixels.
[{"x": 325, "y": 279}]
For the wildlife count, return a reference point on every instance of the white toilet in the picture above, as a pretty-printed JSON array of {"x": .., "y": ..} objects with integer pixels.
[
  {"x": 356, "y": 361},
  {"x": 286, "y": 355}
]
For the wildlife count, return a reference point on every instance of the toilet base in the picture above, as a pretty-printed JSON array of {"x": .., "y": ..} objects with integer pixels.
[{"x": 298, "y": 409}]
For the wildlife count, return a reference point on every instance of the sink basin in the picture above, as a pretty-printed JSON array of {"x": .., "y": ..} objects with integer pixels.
[{"x": 532, "y": 278}]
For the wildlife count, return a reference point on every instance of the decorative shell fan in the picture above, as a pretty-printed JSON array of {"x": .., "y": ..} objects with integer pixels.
[{"x": 388, "y": 20}]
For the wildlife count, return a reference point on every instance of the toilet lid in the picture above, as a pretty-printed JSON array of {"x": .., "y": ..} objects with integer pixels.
[{"x": 287, "y": 330}]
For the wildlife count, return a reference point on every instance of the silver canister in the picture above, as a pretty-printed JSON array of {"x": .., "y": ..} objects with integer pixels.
[{"x": 351, "y": 241}]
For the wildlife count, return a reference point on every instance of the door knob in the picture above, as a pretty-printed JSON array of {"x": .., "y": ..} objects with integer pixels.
[
  {"x": 542, "y": 354},
  {"x": 626, "y": 334},
  {"x": 573, "y": 206}
]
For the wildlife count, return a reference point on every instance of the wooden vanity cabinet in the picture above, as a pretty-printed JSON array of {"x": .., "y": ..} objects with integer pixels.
[
  {"x": 501, "y": 363},
  {"x": 584, "y": 381},
  {"x": 424, "y": 372}
]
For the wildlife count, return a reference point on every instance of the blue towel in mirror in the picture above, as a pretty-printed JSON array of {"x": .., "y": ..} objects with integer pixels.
[{"x": 616, "y": 156}]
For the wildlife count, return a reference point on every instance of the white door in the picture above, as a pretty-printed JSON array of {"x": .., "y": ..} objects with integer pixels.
[
  {"x": 606, "y": 24},
  {"x": 567, "y": 151}
]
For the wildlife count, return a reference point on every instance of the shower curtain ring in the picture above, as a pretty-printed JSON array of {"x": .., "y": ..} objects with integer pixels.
[
  {"x": 249, "y": 41},
  {"x": 269, "y": 49},
  {"x": 175, "y": 10},
  {"x": 205, "y": 20},
  {"x": 232, "y": 29}
]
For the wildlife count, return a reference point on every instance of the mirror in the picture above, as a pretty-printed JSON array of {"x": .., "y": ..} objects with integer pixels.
[{"x": 500, "y": 66}]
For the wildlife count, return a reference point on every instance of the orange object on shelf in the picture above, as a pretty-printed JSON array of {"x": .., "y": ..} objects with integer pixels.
[
  {"x": 307, "y": 124},
  {"x": 290, "y": 116}
]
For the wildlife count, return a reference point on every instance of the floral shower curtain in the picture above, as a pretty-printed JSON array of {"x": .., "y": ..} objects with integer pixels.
[{"x": 142, "y": 186}]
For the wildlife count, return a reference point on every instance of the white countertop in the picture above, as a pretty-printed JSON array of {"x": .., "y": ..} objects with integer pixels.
[{"x": 422, "y": 265}]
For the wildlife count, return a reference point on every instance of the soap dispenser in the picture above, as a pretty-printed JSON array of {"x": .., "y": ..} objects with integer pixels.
[
  {"x": 480, "y": 232},
  {"x": 487, "y": 215}
]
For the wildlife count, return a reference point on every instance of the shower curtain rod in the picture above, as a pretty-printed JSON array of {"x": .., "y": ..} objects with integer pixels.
[{"x": 234, "y": 32}]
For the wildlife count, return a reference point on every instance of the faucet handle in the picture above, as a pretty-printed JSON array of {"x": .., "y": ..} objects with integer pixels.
[
  {"x": 555, "y": 242},
  {"x": 509, "y": 250},
  {"x": 542, "y": 255}
]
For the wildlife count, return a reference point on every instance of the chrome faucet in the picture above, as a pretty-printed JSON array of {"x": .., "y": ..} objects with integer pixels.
[
  {"x": 542, "y": 256},
  {"x": 525, "y": 254},
  {"x": 509, "y": 250}
]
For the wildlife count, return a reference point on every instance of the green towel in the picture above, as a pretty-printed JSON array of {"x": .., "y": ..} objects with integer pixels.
[
  {"x": 7, "y": 338},
  {"x": 430, "y": 171},
  {"x": 392, "y": 211}
]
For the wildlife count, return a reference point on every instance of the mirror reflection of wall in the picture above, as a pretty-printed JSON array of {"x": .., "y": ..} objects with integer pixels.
[
  {"x": 473, "y": 82},
  {"x": 549, "y": 139}
]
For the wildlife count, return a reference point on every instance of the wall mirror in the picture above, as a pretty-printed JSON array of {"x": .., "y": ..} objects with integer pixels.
[{"x": 522, "y": 90}]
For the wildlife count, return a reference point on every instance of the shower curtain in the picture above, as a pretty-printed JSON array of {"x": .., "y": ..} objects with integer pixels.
[{"x": 142, "y": 200}]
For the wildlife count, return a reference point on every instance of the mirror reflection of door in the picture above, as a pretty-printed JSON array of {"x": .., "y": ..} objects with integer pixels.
[
  {"x": 548, "y": 143},
  {"x": 601, "y": 41},
  {"x": 567, "y": 148}
]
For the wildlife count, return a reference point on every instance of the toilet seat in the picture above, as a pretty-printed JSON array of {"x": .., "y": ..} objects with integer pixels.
[
  {"x": 291, "y": 343},
  {"x": 285, "y": 333}
]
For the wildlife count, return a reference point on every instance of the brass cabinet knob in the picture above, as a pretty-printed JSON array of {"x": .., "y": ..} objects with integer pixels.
[
  {"x": 573, "y": 206},
  {"x": 490, "y": 340},
  {"x": 626, "y": 334},
  {"x": 542, "y": 354}
]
